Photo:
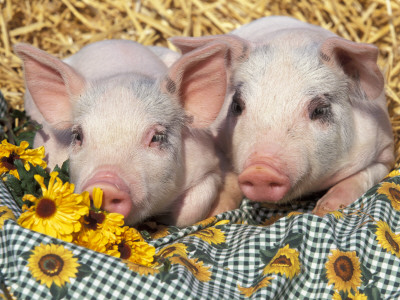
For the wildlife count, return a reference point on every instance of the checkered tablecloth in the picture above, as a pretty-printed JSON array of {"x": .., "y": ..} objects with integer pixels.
[{"x": 261, "y": 253}]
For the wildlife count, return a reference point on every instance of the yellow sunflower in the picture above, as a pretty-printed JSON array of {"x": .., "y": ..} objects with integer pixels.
[
  {"x": 57, "y": 212},
  {"x": 9, "y": 153},
  {"x": 249, "y": 291},
  {"x": 394, "y": 173},
  {"x": 52, "y": 264},
  {"x": 211, "y": 235},
  {"x": 350, "y": 296},
  {"x": 7, "y": 294},
  {"x": 174, "y": 249},
  {"x": 294, "y": 213},
  {"x": 337, "y": 214},
  {"x": 357, "y": 296},
  {"x": 392, "y": 191},
  {"x": 194, "y": 266},
  {"x": 100, "y": 228},
  {"x": 5, "y": 214},
  {"x": 285, "y": 262},
  {"x": 155, "y": 230},
  {"x": 142, "y": 270},
  {"x": 206, "y": 222},
  {"x": 336, "y": 296},
  {"x": 343, "y": 270},
  {"x": 387, "y": 239},
  {"x": 132, "y": 247},
  {"x": 272, "y": 220}
]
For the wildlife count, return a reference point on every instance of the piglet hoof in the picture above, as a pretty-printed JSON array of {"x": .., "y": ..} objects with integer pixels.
[{"x": 326, "y": 206}]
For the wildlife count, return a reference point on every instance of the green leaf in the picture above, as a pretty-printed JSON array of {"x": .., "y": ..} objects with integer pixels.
[
  {"x": 190, "y": 247},
  {"x": 25, "y": 136},
  {"x": 166, "y": 266},
  {"x": 63, "y": 172},
  {"x": 220, "y": 246},
  {"x": 40, "y": 171},
  {"x": 58, "y": 292},
  {"x": 372, "y": 293},
  {"x": 146, "y": 235},
  {"x": 372, "y": 227},
  {"x": 167, "y": 277},
  {"x": 203, "y": 256},
  {"x": 18, "y": 114},
  {"x": 268, "y": 254},
  {"x": 366, "y": 274},
  {"x": 294, "y": 240},
  {"x": 26, "y": 255},
  {"x": 323, "y": 275},
  {"x": 83, "y": 271}
]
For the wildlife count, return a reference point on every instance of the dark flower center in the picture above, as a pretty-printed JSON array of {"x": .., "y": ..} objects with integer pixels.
[
  {"x": 51, "y": 264},
  {"x": 395, "y": 193},
  {"x": 344, "y": 268},
  {"x": 282, "y": 261},
  {"x": 391, "y": 241},
  {"x": 189, "y": 265},
  {"x": 93, "y": 219},
  {"x": 125, "y": 250},
  {"x": 46, "y": 208},
  {"x": 8, "y": 162}
]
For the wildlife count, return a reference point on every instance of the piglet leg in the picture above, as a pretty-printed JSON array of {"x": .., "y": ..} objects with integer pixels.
[
  {"x": 189, "y": 209},
  {"x": 229, "y": 197},
  {"x": 348, "y": 190}
]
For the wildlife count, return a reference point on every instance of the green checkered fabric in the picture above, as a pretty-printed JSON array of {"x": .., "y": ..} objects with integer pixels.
[{"x": 236, "y": 260}]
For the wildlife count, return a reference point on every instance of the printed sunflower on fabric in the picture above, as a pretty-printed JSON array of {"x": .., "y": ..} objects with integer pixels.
[{"x": 55, "y": 210}]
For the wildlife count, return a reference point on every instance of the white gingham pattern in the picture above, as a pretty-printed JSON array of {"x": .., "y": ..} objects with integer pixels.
[{"x": 238, "y": 263}]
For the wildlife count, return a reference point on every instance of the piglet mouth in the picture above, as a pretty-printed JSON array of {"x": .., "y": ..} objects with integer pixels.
[{"x": 116, "y": 194}]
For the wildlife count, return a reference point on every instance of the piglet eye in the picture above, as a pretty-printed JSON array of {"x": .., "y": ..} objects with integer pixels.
[
  {"x": 319, "y": 112},
  {"x": 237, "y": 105},
  {"x": 77, "y": 136},
  {"x": 159, "y": 138},
  {"x": 320, "y": 109}
]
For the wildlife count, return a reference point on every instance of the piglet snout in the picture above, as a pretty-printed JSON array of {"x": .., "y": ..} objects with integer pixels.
[
  {"x": 116, "y": 195},
  {"x": 262, "y": 182}
]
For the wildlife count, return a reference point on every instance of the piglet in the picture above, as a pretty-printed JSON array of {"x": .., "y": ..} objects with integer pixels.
[
  {"x": 95, "y": 61},
  {"x": 124, "y": 121},
  {"x": 304, "y": 112}
]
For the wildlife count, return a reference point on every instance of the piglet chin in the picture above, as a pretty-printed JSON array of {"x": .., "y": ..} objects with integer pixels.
[{"x": 116, "y": 195}]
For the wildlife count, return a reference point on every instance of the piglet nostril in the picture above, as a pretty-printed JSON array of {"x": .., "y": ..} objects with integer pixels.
[{"x": 116, "y": 201}]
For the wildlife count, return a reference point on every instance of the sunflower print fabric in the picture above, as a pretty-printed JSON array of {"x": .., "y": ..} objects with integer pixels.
[{"x": 254, "y": 252}]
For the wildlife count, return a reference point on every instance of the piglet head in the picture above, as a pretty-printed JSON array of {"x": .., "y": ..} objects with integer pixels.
[
  {"x": 126, "y": 135},
  {"x": 299, "y": 115}
]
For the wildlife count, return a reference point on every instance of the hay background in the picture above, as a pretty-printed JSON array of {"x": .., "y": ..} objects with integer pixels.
[{"x": 63, "y": 27}]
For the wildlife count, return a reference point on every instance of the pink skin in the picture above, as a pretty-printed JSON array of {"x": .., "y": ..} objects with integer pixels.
[
  {"x": 261, "y": 181},
  {"x": 115, "y": 141},
  {"x": 116, "y": 194},
  {"x": 117, "y": 197}
]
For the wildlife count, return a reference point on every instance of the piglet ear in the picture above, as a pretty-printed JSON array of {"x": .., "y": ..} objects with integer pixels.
[
  {"x": 51, "y": 83},
  {"x": 358, "y": 61},
  {"x": 238, "y": 47},
  {"x": 199, "y": 80}
]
